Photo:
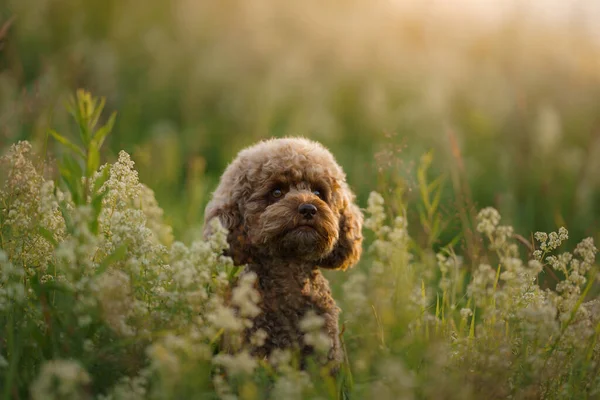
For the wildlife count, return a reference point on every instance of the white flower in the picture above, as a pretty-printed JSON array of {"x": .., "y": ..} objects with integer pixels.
[
  {"x": 376, "y": 212},
  {"x": 240, "y": 363},
  {"x": 355, "y": 294},
  {"x": 563, "y": 234},
  {"x": 129, "y": 388},
  {"x": 541, "y": 237},
  {"x": 60, "y": 379},
  {"x": 245, "y": 297},
  {"x": 28, "y": 202},
  {"x": 279, "y": 357},
  {"x": 224, "y": 317},
  {"x": 114, "y": 296},
  {"x": 586, "y": 250},
  {"x": 318, "y": 340},
  {"x": 258, "y": 338},
  {"x": 487, "y": 220},
  {"x": 292, "y": 385},
  {"x": 311, "y": 322},
  {"x": 12, "y": 289}
]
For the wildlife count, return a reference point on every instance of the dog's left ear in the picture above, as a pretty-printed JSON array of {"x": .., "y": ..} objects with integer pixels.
[
  {"x": 230, "y": 217},
  {"x": 348, "y": 248}
]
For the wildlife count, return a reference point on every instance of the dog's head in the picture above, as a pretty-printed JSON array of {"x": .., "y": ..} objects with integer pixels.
[{"x": 288, "y": 198}]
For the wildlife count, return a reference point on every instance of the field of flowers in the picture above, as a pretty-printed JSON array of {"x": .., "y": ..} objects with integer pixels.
[
  {"x": 97, "y": 300},
  {"x": 472, "y": 146}
]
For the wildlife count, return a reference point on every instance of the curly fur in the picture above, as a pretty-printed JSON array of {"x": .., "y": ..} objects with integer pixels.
[{"x": 279, "y": 244}]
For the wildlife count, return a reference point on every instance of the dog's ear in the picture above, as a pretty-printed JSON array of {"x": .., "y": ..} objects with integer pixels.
[
  {"x": 348, "y": 248},
  {"x": 231, "y": 218}
]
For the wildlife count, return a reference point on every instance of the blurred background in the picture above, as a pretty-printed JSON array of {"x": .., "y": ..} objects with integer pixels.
[{"x": 505, "y": 95}]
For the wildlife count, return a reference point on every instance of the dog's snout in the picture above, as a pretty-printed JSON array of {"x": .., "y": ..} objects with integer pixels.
[{"x": 307, "y": 210}]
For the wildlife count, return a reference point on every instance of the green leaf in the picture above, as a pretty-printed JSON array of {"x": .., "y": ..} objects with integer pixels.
[
  {"x": 472, "y": 327},
  {"x": 46, "y": 234},
  {"x": 72, "y": 166},
  {"x": 96, "y": 111},
  {"x": 55, "y": 286},
  {"x": 70, "y": 172},
  {"x": 67, "y": 216},
  {"x": 117, "y": 255},
  {"x": 74, "y": 189},
  {"x": 67, "y": 143},
  {"x": 101, "y": 133},
  {"x": 82, "y": 108},
  {"x": 93, "y": 161},
  {"x": 101, "y": 179},
  {"x": 71, "y": 106},
  {"x": 97, "y": 208}
]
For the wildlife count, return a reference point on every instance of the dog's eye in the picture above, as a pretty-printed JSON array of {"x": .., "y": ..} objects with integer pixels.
[
  {"x": 318, "y": 193},
  {"x": 276, "y": 193}
]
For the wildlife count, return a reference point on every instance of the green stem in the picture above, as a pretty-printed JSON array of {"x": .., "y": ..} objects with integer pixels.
[{"x": 15, "y": 353}]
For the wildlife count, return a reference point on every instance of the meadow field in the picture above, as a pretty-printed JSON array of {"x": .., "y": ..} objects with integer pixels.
[{"x": 471, "y": 139}]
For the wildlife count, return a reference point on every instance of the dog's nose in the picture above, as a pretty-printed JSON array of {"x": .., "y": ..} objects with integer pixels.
[{"x": 307, "y": 210}]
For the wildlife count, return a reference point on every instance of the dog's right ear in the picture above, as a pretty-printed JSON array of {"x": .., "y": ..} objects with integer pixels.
[
  {"x": 348, "y": 248},
  {"x": 231, "y": 218}
]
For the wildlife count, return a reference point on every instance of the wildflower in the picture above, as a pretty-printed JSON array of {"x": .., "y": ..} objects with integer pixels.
[
  {"x": 258, "y": 338},
  {"x": 482, "y": 283},
  {"x": 279, "y": 357},
  {"x": 162, "y": 233},
  {"x": 292, "y": 385},
  {"x": 224, "y": 317},
  {"x": 355, "y": 293},
  {"x": 552, "y": 241},
  {"x": 217, "y": 239},
  {"x": 399, "y": 233},
  {"x": 129, "y": 388},
  {"x": 586, "y": 250},
  {"x": 222, "y": 388},
  {"x": 395, "y": 381},
  {"x": 114, "y": 296},
  {"x": 376, "y": 212},
  {"x": 29, "y": 202},
  {"x": 123, "y": 183},
  {"x": 12, "y": 289},
  {"x": 535, "y": 266},
  {"x": 240, "y": 363},
  {"x": 563, "y": 234},
  {"x": 541, "y": 237},
  {"x": 487, "y": 220},
  {"x": 312, "y": 324},
  {"x": 465, "y": 313},
  {"x": 245, "y": 297},
  {"x": 163, "y": 359},
  {"x": 60, "y": 379}
]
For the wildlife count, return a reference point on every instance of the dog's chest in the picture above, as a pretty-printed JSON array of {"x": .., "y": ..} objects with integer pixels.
[
  {"x": 292, "y": 290},
  {"x": 287, "y": 295},
  {"x": 296, "y": 291}
]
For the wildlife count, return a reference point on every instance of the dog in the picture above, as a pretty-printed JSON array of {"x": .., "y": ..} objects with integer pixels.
[{"x": 289, "y": 213}]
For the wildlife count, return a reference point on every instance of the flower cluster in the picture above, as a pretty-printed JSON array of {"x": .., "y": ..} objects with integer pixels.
[
  {"x": 502, "y": 323},
  {"x": 29, "y": 218},
  {"x": 60, "y": 379}
]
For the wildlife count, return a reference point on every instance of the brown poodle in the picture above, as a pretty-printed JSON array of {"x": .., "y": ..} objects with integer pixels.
[{"x": 289, "y": 212}]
